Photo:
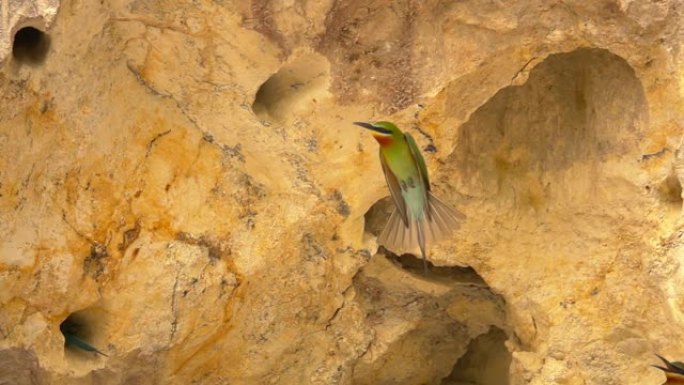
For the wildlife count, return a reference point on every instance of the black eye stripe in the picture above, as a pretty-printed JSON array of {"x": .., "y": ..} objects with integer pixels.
[{"x": 382, "y": 130}]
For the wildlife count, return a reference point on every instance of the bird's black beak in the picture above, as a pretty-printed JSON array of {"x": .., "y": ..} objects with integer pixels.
[
  {"x": 365, "y": 125},
  {"x": 373, "y": 128},
  {"x": 668, "y": 366}
]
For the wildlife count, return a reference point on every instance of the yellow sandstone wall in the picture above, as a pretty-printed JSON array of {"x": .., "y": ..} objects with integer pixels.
[{"x": 183, "y": 180}]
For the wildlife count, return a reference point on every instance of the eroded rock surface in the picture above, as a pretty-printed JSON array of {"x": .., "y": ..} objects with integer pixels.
[{"x": 183, "y": 179}]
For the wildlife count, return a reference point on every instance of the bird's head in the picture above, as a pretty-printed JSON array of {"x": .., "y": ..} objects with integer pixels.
[
  {"x": 383, "y": 132},
  {"x": 674, "y": 371}
]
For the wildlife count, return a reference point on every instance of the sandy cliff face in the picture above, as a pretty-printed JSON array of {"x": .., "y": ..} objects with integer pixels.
[{"x": 182, "y": 180}]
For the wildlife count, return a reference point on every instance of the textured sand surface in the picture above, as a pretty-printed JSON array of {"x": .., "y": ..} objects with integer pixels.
[{"x": 183, "y": 180}]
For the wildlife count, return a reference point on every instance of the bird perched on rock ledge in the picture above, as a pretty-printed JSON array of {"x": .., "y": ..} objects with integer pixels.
[
  {"x": 419, "y": 218},
  {"x": 674, "y": 371}
]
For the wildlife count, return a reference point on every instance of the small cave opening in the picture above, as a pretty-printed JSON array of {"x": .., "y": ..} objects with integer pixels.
[
  {"x": 82, "y": 333},
  {"x": 549, "y": 139},
  {"x": 414, "y": 265},
  {"x": 377, "y": 216},
  {"x": 486, "y": 362},
  {"x": 297, "y": 86},
  {"x": 670, "y": 191},
  {"x": 30, "y": 46},
  {"x": 430, "y": 330}
]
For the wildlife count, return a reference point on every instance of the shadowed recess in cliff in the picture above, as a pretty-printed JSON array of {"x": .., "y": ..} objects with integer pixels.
[
  {"x": 85, "y": 325},
  {"x": 414, "y": 265},
  {"x": 30, "y": 46},
  {"x": 576, "y": 111},
  {"x": 297, "y": 86},
  {"x": 485, "y": 363},
  {"x": 669, "y": 191},
  {"x": 377, "y": 216},
  {"x": 422, "y": 325}
]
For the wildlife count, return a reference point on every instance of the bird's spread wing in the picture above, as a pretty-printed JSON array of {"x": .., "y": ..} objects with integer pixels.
[
  {"x": 395, "y": 189},
  {"x": 422, "y": 168},
  {"x": 418, "y": 158}
]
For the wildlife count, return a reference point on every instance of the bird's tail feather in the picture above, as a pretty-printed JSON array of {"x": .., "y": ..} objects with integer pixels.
[
  {"x": 421, "y": 242},
  {"x": 421, "y": 232},
  {"x": 443, "y": 220},
  {"x": 72, "y": 340}
]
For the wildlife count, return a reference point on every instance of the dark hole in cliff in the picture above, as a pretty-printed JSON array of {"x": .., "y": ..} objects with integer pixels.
[
  {"x": 298, "y": 85},
  {"x": 670, "y": 191},
  {"x": 377, "y": 216},
  {"x": 545, "y": 141},
  {"x": 425, "y": 326},
  {"x": 30, "y": 46},
  {"x": 486, "y": 362},
  {"x": 414, "y": 264},
  {"x": 82, "y": 333}
]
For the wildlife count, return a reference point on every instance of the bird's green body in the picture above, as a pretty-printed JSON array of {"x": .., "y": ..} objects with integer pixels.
[
  {"x": 419, "y": 217},
  {"x": 403, "y": 161}
]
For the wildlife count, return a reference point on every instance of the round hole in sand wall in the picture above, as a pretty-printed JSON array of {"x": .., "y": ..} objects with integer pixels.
[
  {"x": 296, "y": 87},
  {"x": 30, "y": 46},
  {"x": 82, "y": 332},
  {"x": 445, "y": 327}
]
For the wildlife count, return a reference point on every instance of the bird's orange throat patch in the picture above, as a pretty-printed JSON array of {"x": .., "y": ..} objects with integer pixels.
[
  {"x": 384, "y": 140},
  {"x": 674, "y": 378}
]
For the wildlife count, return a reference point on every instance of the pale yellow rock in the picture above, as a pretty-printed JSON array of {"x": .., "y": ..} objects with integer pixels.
[
  {"x": 183, "y": 179},
  {"x": 18, "y": 14}
]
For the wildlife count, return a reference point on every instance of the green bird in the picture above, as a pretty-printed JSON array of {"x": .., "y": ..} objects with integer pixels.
[
  {"x": 419, "y": 218},
  {"x": 674, "y": 371},
  {"x": 69, "y": 331}
]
